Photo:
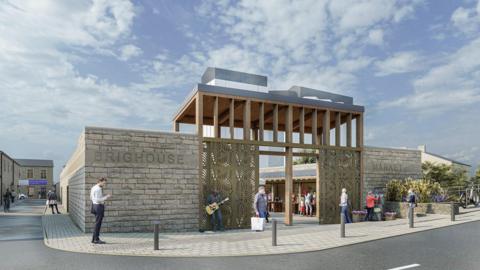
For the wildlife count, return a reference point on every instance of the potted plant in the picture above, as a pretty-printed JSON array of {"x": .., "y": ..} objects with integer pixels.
[
  {"x": 358, "y": 215},
  {"x": 390, "y": 215}
]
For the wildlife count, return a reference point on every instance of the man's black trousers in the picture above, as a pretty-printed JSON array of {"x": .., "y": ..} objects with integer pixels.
[{"x": 99, "y": 211}]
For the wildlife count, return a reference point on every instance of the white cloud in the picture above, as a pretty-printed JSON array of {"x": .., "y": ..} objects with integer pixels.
[
  {"x": 401, "y": 62},
  {"x": 467, "y": 20},
  {"x": 315, "y": 42},
  {"x": 375, "y": 37},
  {"x": 452, "y": 85},
  {"x": 129, "y": 51},
  {"x": 45, "y": 101}
]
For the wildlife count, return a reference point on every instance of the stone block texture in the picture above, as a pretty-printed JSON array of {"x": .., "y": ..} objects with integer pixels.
[
  {"x": 385, "y": 164},
  {"x": 151, "y": 176},
  {"x": 76, "y": 198}
]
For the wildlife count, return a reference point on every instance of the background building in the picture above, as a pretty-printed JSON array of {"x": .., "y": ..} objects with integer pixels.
[
  {"x": 9, "y": 171},
  {"x": 437, "y": 159},
  {"x": 36, "y": 177}
]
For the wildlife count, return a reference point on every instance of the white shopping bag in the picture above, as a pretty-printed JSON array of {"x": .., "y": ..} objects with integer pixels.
[{"x": 257, "y": 224}]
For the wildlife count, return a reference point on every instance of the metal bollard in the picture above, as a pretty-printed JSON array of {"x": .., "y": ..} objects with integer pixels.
[
  {"x": 274, "y": 232},
  {"x": 342, "y": 225},
  {"x": 452, "y": 211},
  {"x": 156, "y": 230},
  {"x": 410, "y": 216}
]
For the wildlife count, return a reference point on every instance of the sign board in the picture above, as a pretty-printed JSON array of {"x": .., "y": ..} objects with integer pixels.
[
  {"x": 23, "y": 182},
  {"x": 33, "y": 182}
]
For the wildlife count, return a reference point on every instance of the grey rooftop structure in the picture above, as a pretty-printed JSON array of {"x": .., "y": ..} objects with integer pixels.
[
  {"x": 35, "y": 162},
  {"x": 212, "y": 73}
]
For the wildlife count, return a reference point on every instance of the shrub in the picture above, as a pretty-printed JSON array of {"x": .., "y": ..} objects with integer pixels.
[{"x": 426, "y": 190}]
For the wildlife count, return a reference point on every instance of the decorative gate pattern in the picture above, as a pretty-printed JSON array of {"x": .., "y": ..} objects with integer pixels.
[
  {"x": 338, "y": 169},
  {"x": 231, "y": 169}
]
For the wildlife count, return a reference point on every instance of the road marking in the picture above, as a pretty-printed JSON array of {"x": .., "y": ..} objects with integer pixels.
[{"x": 405, "y": 267}]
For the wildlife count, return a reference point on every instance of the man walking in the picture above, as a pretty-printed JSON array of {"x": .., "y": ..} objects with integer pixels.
[
  {"x": 308, "y": 204},
  {"x": 344, "y": 205},
  {"x": 6, "y": 201},
  {"x": 52, "y": 200},
  {"x": 260, "y": 203},
  {"x": 98, "y": 207}
]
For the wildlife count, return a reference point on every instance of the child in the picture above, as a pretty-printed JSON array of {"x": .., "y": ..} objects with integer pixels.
[{"x": 302, "y": 207}]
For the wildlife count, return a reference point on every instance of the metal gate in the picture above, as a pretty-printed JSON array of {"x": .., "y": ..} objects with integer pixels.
[
  {"x": 232, "y": 169},
  {"x": 338, "y": 169}
]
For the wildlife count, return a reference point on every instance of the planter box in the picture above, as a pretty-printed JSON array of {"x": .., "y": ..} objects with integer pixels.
[
  {"x": 422, "y": 208},
  {"x": 387, "y": 218},
  {"x": 358, "y": 217}
]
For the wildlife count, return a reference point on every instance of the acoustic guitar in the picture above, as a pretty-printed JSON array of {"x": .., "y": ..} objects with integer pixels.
[{"x": 211, "y": 208}]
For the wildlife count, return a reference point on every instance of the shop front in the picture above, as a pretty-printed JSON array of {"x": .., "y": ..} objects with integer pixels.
[{"x": 33, "y": 188}]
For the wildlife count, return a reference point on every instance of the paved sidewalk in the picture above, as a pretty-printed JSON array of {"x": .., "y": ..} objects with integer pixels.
[{"x": 61, "y": 233}]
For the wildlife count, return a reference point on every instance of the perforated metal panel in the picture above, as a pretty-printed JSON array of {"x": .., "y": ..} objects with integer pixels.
[
  {"x": 231, "y": 169},
  {"x": 338, "y": 169}
]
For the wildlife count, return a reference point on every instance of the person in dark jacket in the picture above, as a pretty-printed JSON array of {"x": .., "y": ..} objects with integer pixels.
[
  {"x": 216, "y": 218},
  {"x": 6, "y": 201},
  {"x": 52, "y": 201},
  {"x": 260, "y": 203}
]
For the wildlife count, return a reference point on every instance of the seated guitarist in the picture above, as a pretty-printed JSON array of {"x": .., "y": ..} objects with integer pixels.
[{"x": 216, "y": 218}]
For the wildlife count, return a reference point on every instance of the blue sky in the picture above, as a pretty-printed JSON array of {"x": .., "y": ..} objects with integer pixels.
[{"x": 67, "y": 64}]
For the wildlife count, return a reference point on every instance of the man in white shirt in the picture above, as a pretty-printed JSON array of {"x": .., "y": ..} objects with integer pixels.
[
  {"x": 344, "y": 205},
  {"x": 98, "y": 207}
]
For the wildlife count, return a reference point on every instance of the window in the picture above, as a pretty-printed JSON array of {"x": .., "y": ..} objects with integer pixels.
[
  {"x": 30, "y": 173},
  {"x": 43, "y": 174}
]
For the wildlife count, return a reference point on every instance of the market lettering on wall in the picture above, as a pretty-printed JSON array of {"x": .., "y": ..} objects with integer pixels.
[
  {"x": 384, "y": 166},
  {"x": 138, "y": 157}
]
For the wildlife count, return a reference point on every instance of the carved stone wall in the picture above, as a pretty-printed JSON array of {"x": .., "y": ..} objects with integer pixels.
[
  {"x": 232, "y": 170},
  {"x": 385, "y": 164},
  {"x": 338, "y": 169}
]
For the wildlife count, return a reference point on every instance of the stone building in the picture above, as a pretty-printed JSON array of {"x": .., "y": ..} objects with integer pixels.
[
  {"x": 438, "y": 159},
  {"x": 151, "y": 176},
  {"x": 36, "y": 177},
  {"x": 28, "y": 176},
  {"x": 9, "y": 171},
  {"x": 235, "y": 119}
]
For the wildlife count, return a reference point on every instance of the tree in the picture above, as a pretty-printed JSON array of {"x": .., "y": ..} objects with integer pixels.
[
  {"x": 445, "y": 175},
  {"x": 476, "y": 178},
  {"x": 306, "y": 159}
]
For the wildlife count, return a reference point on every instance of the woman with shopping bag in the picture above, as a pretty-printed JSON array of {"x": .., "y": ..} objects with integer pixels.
[{"x": 260, "y": 206}]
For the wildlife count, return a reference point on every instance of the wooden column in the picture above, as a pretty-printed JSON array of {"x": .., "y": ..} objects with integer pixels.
[
  {"x": 318, "y": 187},
  {"x": 216, "y": 127},
  {"x": 261, "y": 121},
  {"x": 359, "y": 130},
  {"x": 314, "y": 127},
  {"x": 275, "y": 122},
  {"x": 326, "y": 128},
  {"x": 288, "y": 167},
  {"x": 246, "y": 120},
  {"x": 349, "y": 130},
  {"x": 359, "y": 144},
  {"x": 199, "y": 128},
  {"x": 231, "y": 119},
  {"x": 199, "y": 115},
  {"x": 338, "y": 121},
  {"x": 302, "y": 125}
]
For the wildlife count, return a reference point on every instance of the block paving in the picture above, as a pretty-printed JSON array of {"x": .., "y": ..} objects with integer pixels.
[{"x": 61, "y": 233}]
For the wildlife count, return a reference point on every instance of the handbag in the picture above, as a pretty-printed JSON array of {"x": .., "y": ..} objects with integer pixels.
[
  {"x": 258, "y": 224},
  {"x": 92, "y": 210},
  {"x": 50, "y": 202}
]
